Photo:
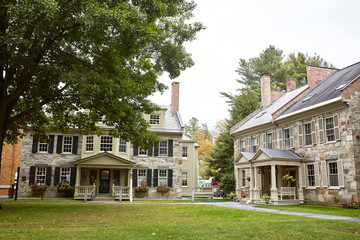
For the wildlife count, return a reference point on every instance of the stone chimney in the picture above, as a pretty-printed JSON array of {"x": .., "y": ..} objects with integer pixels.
[
  {"x": 175, "y": 88},
  {"x": 316, "y": 74},
  {"x": 265, "y": 90},
  {"x": 290, "y": 84}
]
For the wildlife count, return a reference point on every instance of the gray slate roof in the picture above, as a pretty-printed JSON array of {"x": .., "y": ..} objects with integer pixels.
[
  {"x": 172, "y": 122},
  {"x": 248, "y": 155},
  {"x": 276, "y": 153},
  {"x": 265, "y": 116},
  {"x": 326, "y": 90}
]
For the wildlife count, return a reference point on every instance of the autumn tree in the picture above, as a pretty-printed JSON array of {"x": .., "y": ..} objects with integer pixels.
[
  {"x": 64, "y": 63},
  {"x": 204, "y": 151}
]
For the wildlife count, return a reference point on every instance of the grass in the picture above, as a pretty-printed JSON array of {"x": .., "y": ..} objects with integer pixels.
[
  {"x": 319, "y": 209},
  {"x": 132, "y": 221},
  {"x": 39, "y": 200},
  {"x": 196, "y": 200}
]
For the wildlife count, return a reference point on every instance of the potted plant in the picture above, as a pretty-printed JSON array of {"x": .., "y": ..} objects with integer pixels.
[
  {"x": 163, "y": 188},
  {"x": 248, "y": 178},
  {"x": 65, "y": 191},
  {"x": 266, "y": 198},
  {"x": 142, "y": 190},
  {"x": 288, "y": 178},
  {"x": 39, "y": 190}
]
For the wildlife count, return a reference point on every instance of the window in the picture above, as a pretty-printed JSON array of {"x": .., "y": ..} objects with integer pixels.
[
  {"x": 269, "y": 140},
  {"x": 40, "y": 175},
  {"x": 163, "y": 177},
  {"x": 65, "y": 176},
  {"x": 163, "y": 148},
  {"x": 122, "y": 145},
  {"x": 142, "y": 152},
  {"x": 106, "y": 143},
  {"x": 330, "y": 133},
  {"x": 333, "y": 174},
  {"x": 243, "y": 182},
  {"x": 155, "y": 119},
  {"x": 101, "y": 118},
  {"x": 184, "y": 152},
  {"x": 184, "y": 181},
  {"x": 308, "y": 138},
  {"x": 67, "y": 146},
  {"x": 242, "y": 145},
  {"x": 89, "y": 143},
  {"x": 311, "y": 175},
  {"x": 254, "y": 144},
  {"x": 287, "y": 138},
  {"x": 43, "y": 147},
  {"x": 141, "y": 177}
]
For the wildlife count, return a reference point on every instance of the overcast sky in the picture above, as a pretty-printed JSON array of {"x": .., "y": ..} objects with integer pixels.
[{"x": 242, "y": 29}]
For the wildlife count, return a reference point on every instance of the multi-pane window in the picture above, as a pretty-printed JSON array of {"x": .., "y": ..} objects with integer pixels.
[
  {"x": 89, "y": 143},
  {"x": 65, "y": 176},
  {"x": 333, "y": 174},
  {"x": 106, "y": 143},
  {"x": 308, "y": 138},
  {"x": 40, "y": 175},
  {"x": 122, "y": 145},
  {"x": 101, "y": 118},
  {"x": 287, "y": 138},
  {"x": 184, "y": 179},
  {"x": 269, "y": 140},
  {"x": 141, "y": 177},
  {"x": 311, "y": 175},
  {"x": 329, "y": 125},
  {"x": 254, "y": 144},
  {"x": 163, "y": 177},
  {"x": 184, "y": 152},
  {"x": 163, "y": 148},
  {"x": 142, "y": 152},
  {"x": 242, "y": 146},
  {"x": 243, "y": 179},
  {"x": 43, "y": 147},
  {"x": 154, "y": 119},
  {"x": 67, "y": 146}
]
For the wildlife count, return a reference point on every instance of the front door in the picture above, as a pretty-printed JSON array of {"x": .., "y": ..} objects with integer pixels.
[
  {"x": 266, "y": 180},
  {"x": 104, "y": 181}
]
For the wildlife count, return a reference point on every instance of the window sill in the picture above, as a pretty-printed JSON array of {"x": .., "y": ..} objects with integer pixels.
[
  {"x": 67, "y": 153},
  {"x": 184, "y": 186},
  {"x": 310, "y": 188},
  {"x": 334, "y": 188},
  {"x": 43, "y": 153},
  {"x": 184, "y": 158}
]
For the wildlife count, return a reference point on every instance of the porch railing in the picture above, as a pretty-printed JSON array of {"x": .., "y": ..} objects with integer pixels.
[
  {"x": 116, "y": 191},
  {"x": 80, "y": 191},
  {"x": 203, "y": 190}
]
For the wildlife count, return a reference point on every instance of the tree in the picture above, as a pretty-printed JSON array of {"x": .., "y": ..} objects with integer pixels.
[
  {"x": 204, "y": 151},
  {"x": 192, "y": 127},
  {"x": 64, "y": 63}
]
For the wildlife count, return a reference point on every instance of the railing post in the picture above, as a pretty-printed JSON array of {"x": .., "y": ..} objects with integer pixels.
[
  {"x": 193, "y": 195},
  {"x": 120, "y": 194},
  {"x": 86, "y": 192}
]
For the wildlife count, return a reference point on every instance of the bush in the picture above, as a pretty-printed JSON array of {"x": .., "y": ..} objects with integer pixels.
[
  {"x": 65, "y": 188},
  {"x": 40, "y": 188},
  {"x": 163, "y": 189},
  {"x": 142, "y": 189}
]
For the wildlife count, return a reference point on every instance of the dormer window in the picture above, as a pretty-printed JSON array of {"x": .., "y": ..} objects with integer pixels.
[
  {"x": 154, "y": 119},
  {"x": 100, "y": 120}
]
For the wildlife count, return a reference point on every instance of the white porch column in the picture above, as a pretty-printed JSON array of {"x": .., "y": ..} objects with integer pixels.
[
  {"x": 131, "y": 184},
  {"x": 274, "y": 191},
  {"x": 257, "y": 184},
  {"x": 251, "y": 183},
  {"x": 77, "y": 181},
  {"x": 300, "y": 181},
  {"x": 237, "y": 183}
]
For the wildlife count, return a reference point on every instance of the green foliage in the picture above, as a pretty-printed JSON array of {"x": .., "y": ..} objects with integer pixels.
[
  {"x": 288, "y": 178},
  {"x": 40, "y": 188},
  {"x": 192, "y": 127},
  {"x": 162, "y": 188},
  {"x": 266, "y": 198},
  {"x": 65, "y": 188},
  {"x": 142, "y": 189}
]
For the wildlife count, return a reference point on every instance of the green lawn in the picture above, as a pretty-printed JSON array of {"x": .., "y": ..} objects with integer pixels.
[
  {"x": 319, "y": 209},
  {"x": 196, "y": 200},
  {"x": 39, "y": 200},
  {"x": 132, "y": 221}
]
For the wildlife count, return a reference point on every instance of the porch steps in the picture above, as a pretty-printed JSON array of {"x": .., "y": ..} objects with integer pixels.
[{"x": 101, "y": 198}]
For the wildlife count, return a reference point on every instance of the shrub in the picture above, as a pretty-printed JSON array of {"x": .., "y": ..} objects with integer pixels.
[
  {"x": 142, "y": 189},
  {"x": 163, "y": 188},
  {"x": 65, "y": 188},
  {"x": 41, "y": 188}
]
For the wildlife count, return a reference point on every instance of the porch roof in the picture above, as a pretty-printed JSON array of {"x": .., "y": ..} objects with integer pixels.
[
  {"x": 105, "y": 160},
  {"x": 278, "y": 154}
]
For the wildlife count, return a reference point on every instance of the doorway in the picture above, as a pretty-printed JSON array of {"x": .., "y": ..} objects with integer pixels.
[
  {"x": 266, "y": 180},
  {"x": 104, "y": 185}
]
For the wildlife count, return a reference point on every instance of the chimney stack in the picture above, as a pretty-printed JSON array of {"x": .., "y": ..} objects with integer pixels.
[
  {"x": 265, "y": 90},
  {"x": 175, "y": 87},
  {"x": 316, "y": 74},
  {"x": 290, "y": 84}
]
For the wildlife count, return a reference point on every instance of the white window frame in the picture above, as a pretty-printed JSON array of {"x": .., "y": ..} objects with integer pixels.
[
  {"x": 67, "y": 144},
  {"x": 142, "y": 177},
  {"x": 163, "y": 148},
  {"x": 65, "y": 173},
  {"x": 122, "y": 145},
  {"x": 310, "y": 173},
  {"x": 184, "y": 179},
  {"x": 269, "y": 143},
  {"x": 243, "y": 178},
  {"x": 331, "y": 173},
  {"x": 330, "y": 137},
  {"x": 254, "y": 144},
  {"x": 40, "y": 177},
  {"x": 89, "y": 143},
  {"x": 242, "y": 146},
  {"x": 287, "y": 143},
  {"x": 142, "y": 152},
  {"x": 308, "y": 134},
  {"x": 163, "y": 177},
  {"x": 43, "y": 147},
  {"x": 154, "y": 119},
  {"x": 184, "y": 152},
  {"x": 105, "y": 143},
  {"x": 101, "y": 118}
]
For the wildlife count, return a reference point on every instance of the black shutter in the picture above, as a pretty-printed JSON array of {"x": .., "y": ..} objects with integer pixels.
[
  {"x": 170, "y": 148},
  {"x": 51, "y": 145},
  {"x": 57, "y": 176},
  {"x": 32, "y": 175},
  {"x": 75, "y": 144},
  {"x": 48, "y": 176},
  {"x": 148, "y": 177},
  {"x": 136, "y": 151},
  {"x": 170, "y": 177},
  {"x": 156, "y": 151},
  {"x": 156, "y": 177},
  {"x": 35, "y": 145},
  {"x": 134, "y": 177},
  {"x": 150, "y": 151},
  {"x": 72, "y": 176},
  {"x": 59, "y": 144}
]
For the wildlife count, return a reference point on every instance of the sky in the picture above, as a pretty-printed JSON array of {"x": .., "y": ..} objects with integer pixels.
[{"x": 242, "y": 29}]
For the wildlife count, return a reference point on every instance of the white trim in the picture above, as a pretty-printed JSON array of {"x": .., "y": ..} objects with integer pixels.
[{"x": 5, "y": 186}]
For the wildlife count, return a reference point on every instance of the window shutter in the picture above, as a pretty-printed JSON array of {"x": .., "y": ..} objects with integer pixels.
[
  {"x": 170, "y": 177},
  {"x": 57, "y": 176},
  {"x": 264, "y": 140},
  {"x": 274, "y": 139},
  {"x": 35, "y": 145},
  {"x": 48, "y": 176},
  {"x": 324, "y": 174},
  {"x": 148, "y": 177},
  {"x": 156, "y": 171},
  {"x": 156, "y": 151},
  {"x": 291, "y": 137},
  {"x": 51, "y": 145},
  {"x": 249, "y": 144},
  {"x": 336, "y": 127},
  {"x": 170, "y": 147},
  {"x": 321, "y": 130},
  {"x": 313, "y": 133},
  {"x": 304, "y": 175},
  {"x": 134, "y": 177},
  {"x": 59, "y": 144},
  {"x": 340, "y": 173},
  {"x": 316, "y": 169},
  {"x": 75, "y": 144},
  {"x": 300, "y": 135},
  {"x": 32, "y": 175},
  {"x": 280, "y": 142},
  {"x": 136, "y": 151},
  {"x": 72, "y": 176},
  {"x": 257, "y": 143},
  {"x": 150, "y": 150}
]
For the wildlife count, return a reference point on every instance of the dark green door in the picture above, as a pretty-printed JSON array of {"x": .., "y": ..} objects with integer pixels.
[{"x": 104, "y": 186}]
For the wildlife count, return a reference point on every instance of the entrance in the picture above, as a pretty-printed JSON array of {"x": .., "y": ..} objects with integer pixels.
[
  {"x": 104, "y": 184},
  {"x": 266, "y": 180}
]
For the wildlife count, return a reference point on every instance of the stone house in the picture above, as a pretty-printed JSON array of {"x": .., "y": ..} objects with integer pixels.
[
  {"x": 310, "y": 134},
  {"x": 99, "y": 166}
]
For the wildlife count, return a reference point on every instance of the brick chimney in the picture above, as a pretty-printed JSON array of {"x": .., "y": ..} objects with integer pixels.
[
  {"x": 290, "y": 84},
  {"x": 265, "y": 90},
  {"x": 175, "y": 88},
  {"x": 316, "y": 74}
]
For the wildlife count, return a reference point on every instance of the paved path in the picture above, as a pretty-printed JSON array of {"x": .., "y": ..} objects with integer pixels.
[{"x": 236, "y": 205}]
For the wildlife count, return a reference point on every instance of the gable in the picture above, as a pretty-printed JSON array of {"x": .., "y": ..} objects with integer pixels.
[{"x": 105, "y": 159}]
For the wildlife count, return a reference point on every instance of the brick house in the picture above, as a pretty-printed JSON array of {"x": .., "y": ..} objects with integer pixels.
[
  {"x": 103, "y": 164},
  {"x": 311, "y": 134}
]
